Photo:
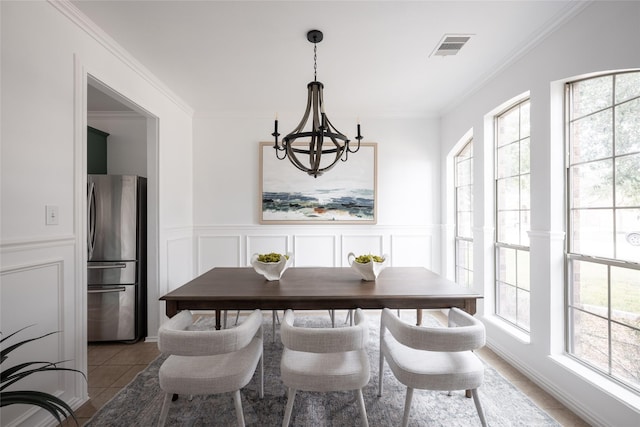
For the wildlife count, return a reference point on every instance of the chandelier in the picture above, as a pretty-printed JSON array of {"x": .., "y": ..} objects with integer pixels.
[{"x": 323, "y": 139}]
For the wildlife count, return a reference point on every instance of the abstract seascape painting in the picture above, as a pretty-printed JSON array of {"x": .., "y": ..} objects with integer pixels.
[{"x": 344, "y": 194}]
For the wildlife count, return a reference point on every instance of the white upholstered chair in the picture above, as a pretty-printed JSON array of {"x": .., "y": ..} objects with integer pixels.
[
  {"x": 433, "y": 358},
  {"x": 274, "y": 317},
  {"x": 324, "y": 359},
  {"x": 209, "y": 362}
]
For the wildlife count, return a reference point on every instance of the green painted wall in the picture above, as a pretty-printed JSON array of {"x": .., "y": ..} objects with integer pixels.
[{"x": 96, "y": 151}]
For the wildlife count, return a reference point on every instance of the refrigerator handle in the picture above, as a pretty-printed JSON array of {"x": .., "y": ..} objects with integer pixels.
[
  {"x": 106, "y": 290},
  {"x": 91, "y": 219},
  {"x": 106, "y": 266}
]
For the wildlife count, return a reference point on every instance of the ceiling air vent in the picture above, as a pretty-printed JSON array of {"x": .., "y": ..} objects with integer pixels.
[{"x": 450, "y": 44}]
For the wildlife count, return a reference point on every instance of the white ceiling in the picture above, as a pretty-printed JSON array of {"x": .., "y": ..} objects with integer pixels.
[{"x": 252, "y": 57}]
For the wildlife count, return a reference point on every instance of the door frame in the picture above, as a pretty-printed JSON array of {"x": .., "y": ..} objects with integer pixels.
[{"x": 82, "y": 79}]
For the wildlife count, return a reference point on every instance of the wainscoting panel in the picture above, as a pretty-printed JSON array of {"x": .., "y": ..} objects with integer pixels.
[
  {"x": 359, "y": 245},
  {"x": 315, "y": 251},
  {"x": 34, "y": 284},
  {"x": 314, "y": 245},
  {"x": 218, "y": 251},
  {"x": 37, "y": 292},
  {"x": 179, "y": 261},
  {"x": 265, "y": 245},
  {"x": 412, "y": 250}
]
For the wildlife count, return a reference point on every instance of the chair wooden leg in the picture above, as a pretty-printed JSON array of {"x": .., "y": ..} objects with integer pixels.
[
  {"x": 476, "y": 400},
  {"x": 238, "y": 403},
  {"x": 349, "y": 318},
  {"x": 262, "y": 376},
  {"x": 237, "y": 316},
  {"x": 287, "y": 412},
  {"x": 363, "y": 410},
  {"x": 380, "y": 374},
  {"x": 407, "y": 407},
  {"x": 165, "y": 409},
  {"x": 273, "y": 324},
  {"x": 332, "y": 315}
]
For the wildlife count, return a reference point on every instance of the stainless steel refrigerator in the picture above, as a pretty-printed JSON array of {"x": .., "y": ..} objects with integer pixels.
[{"x": 117, "y": 269}]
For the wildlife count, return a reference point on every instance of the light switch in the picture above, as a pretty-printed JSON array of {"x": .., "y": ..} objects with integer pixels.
[{"x": 52, "y": 215}]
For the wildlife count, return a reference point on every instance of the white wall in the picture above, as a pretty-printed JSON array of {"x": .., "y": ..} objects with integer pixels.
[
  {"x": 47, "y": 53},
  {"x": 603, "y": 37},
  {"x": 226, "y": 187}
]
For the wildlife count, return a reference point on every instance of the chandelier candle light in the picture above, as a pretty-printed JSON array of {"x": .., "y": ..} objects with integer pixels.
[{"x": 322, "y": 131}]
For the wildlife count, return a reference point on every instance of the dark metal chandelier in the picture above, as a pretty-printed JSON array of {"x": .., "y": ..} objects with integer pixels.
[{"x": 325, "y": 139}]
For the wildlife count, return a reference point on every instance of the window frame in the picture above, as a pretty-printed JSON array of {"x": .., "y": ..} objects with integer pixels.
[
  {"x": 457, "y": 237},
  {"x": 499, "y": 245},
  {"x": 571, "y": 258}
]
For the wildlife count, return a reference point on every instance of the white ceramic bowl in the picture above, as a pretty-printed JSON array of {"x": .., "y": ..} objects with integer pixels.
[
  {"x": 370, "y": 270},
  {"x": 271, "y": 270}
]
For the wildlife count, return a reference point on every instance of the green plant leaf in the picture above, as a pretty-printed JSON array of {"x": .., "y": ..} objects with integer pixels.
[
  {"x": 11, "y": 372},
  {"x": 7, "y": 380},
  {"x": 52, "y": 404},
  {"x": 4, "y": 353}
]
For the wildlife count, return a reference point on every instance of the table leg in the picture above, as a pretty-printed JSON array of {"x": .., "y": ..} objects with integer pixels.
[
  {"x": 218, "y": 320},
  {"x": 418, "y": 316},
  {"x": 171, "y": 308}
]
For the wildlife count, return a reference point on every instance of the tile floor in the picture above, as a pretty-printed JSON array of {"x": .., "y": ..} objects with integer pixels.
[{"x": 113, "y": 366}]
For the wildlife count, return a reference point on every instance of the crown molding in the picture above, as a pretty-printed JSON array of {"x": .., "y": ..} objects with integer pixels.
[
  {"x": 84, "y": 23},
  {"x": 566, "y": 14}
]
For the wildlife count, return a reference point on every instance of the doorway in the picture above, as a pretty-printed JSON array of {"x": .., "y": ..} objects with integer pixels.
[{"x": 132, "y": 150}]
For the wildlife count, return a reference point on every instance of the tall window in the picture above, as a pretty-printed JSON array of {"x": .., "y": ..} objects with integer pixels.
[
  {"x": 512, "y": 184},
  {"x": 603, "y": 253},
  {"x": 463, "y": 163}
]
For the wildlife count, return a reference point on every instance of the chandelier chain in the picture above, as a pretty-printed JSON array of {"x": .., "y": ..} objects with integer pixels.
[{"x": 315, "y": 62}]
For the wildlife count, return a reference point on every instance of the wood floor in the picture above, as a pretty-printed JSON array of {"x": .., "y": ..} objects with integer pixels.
[{"x": 113, "y": 366}]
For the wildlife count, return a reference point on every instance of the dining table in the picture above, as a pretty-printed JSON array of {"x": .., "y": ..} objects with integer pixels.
[{"x": 317, "y": 288}]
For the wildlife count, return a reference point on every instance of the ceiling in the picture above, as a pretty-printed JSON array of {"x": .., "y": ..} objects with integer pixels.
[{"x": 253, "y": 57}]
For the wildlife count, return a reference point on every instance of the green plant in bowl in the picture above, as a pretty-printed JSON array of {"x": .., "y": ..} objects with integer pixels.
[
  {"x": 271, "y": 265},
  {"x": 368, "y": 266},
  {"x": 363, "y": 259},
  {"x": 271, "y": 257}
]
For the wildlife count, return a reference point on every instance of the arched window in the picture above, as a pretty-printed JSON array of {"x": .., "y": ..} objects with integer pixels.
[
  {"x": 512, "y": 213},
  {"x": 603, "y": 224},
  {"x": 463, "y": 164}
]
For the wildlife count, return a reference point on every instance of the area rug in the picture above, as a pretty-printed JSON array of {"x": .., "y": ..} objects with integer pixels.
[{"x": 139, "y": 403}]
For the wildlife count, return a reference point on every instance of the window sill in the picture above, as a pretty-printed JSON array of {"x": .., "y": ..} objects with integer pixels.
[
  {"x": 507, "y": 328},
  {"x": 614, "y": 390}
]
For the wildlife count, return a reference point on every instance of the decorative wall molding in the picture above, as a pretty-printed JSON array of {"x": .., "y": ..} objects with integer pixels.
[
  {"x": 95, "y": 32},
  {"x": 314, "y": 245},
  {"x": 36, "y": 243},
  {"x": 565, "y": 15},
  {"x": 266, "y": 244},
  {"x": 179, "y": 250},
  {"x": 21, "y": 281},
  {"x": 413, "y": 250},
  {"x": 218, "y": 251},
  {"x": 315, "y": 229},
  {"x": 315, "y": 250},
  {"x": 58, "y": 267}
]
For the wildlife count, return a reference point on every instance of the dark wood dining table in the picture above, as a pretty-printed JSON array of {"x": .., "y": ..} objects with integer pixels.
[{"x": 315, "y": 288}]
